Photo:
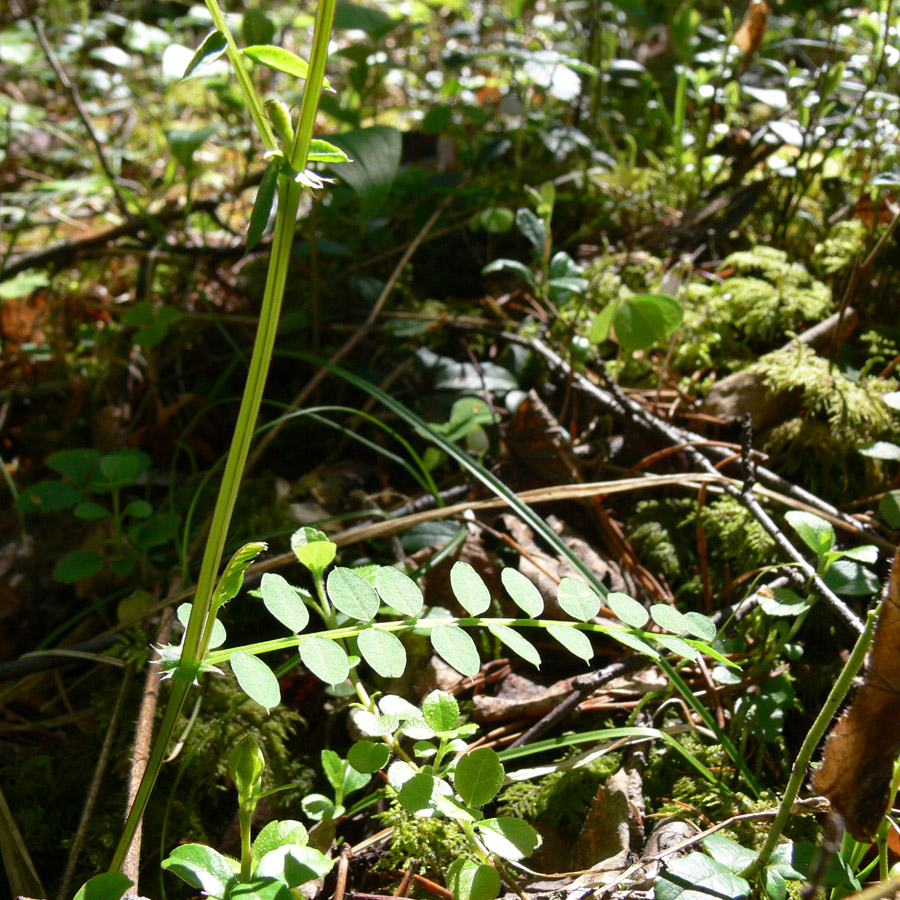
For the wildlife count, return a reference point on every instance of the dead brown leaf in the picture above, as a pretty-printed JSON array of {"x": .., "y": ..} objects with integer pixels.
[
  {"x": 860, "y": 751},
  {"x": 750, "y": 33}
]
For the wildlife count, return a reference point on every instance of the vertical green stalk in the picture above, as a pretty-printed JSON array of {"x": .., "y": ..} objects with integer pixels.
[
  {"x": 289, "y": 193},
  {"x": 816, "y": 732}
]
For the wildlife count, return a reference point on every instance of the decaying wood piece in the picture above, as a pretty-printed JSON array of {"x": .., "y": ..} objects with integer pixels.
[{"x": 865, "y": 741}]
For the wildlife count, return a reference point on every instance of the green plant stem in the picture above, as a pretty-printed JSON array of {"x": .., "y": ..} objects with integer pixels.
[
  {"x": 244, "y": 815},
  {"x": 816, "y": 732},
  {"x": 196, "y": 637}
]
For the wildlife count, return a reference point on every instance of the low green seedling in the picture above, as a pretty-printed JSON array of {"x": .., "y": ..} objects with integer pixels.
[
  {"x": 98, "y": 488},
  {"x": 889, "y": 505}
]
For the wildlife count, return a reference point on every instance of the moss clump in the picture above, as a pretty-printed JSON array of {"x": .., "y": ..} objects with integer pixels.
[
  {"x": 839, "y": 249},
  {"x": 739, "y": 539},
  {"x": 840, "y": 414},
  {"x": 730, "y": 322},
  {"x": 560, "y": 801},
  {"x": 663, "y": 534},
  {"x": 434, "y": 842}
]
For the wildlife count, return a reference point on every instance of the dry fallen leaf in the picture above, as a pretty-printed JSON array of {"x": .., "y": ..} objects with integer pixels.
[
  {"x": 860, "y": 751},
  {"x": 750, "y": 33}
]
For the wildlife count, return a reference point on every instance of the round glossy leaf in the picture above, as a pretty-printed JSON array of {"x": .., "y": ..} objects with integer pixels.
[
  {"x": 478, "y": 776},
  {"x": 76, "y": 465},
  {"x": 469, "y": 588},
  {"x": 523, "y": 592},
  {"x": 283, "y": 602},
  {"x": 642, "y": 320},
  {"x": 415, "y": 795},
  {"x": 572, "y": 639},
  {"x": 398, "y": 591},
  {"x": 577, "y": 599},
  {"x": 201, "y": 867},
  {"x": 105, "y": 886},
  {"x": 325, "y": 659},
  {"x": 518, "y": 644},
  {"x": 441, "y": 712},
  {"x": 509, "y": 837},
  {"x": 469, "y": 880},
  {"x": 48, "y": 496},
  {"x": 77, "y": 565},
  {"x": 627, "y": 610},
  {"x": 383, "y": 651},
  {"x": 456, "y": 648},
  {"x": 352, "y": 595},
  {"x": 256, "y": 679},
  {"x": 368, "y": 757},
  {"x": 278, "y": 834}
]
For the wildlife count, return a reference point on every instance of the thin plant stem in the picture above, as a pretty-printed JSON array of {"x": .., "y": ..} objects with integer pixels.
[{"x": 816, "y": 732}]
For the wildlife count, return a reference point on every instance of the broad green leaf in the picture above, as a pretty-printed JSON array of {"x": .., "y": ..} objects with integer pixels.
[
  {"x": 91, "y": 511},
  {"x": 155, "y": 531},
  {"x": 105, "y": 886},
  {"x": 577, "y": 599},
  {"x": 325, "y": 659},
  {"x": 814, "y": 531},
  {"x": 441, "y": 712},
  {"x": 256, "y": 679},
  {"x": 456, "y": 648},
  {"x": 313, "y": 549},
  {"x": 518, "y": 644},
  {"x": 643, "y": 319},
  {"x": 627, "y": 610},
  {"x": 233, "y": 577},
  {"x": 575, "y": 641},
  {"x": 77, "y": 565},
  {"x": 261, "y": 887},
  {"x": 848, "y": 577},
  {"x": 523, "y": 592},
  {"x": 383, "y": 651},
  {"x": 782, "y": 602},
  {"x": 698, "y": 877},
  {"x": 700, "y": 626},
  {"x": 602, "y": 324},
  {"x": 138, "y": 508},
  {"x": 415, "y": 795},
  {"x": 368, "y": 757},
  {"x": 889, "y": 508},
  {"x": 881, "y": 450},
  {"x": 533, "y": 228},
  {"x": 375, "y": 152},
  {"x": 322, "y": 151},
  {"x": 352, "y": 595},
  {"x": 294, "y": 865},
  {"x": 493, "y": 219},
  {"x": 478, "y": 776},
  {"x": 375, "y": 726},
  {"x": 729, "y": 853},
  {"x": 333, "y": 767},
  {"x": 278, "y": 834},
  {"x": 508, "y": 837},
  {"x": 283, "y": 602},
  {"x": 511, "y": 265},
  {"x": 262, "y": 205},
  {"x": 398, "y": 591},
  {"x": 676, "y": 645},
  {"x": 633, "y": 641},
  {"x": 469, "y": 880},
  {"x": 668, "y": 617},
  {"x": 257, "y": 27},
  {"x": 213, "y": 46},
  {"x": 469, "y": 588},
  {"x": 76, "y": 465},
  {"x": 318, "y": 807},
  {"x": 279, "y": 59},
  {"x": 48, "y": 496},
  {"x": 201, "y": 867},
  {"x": 185, "y": 142}
]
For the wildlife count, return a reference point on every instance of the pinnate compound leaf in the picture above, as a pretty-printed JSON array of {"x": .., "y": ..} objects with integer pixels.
[
  {"x": 313, "y": 549},
  {"x": 469, "y": 880},
  {"x": 700, "y": 626},
  {"x": 441, "y": 712},
  {"x": 509, "y": 837},
  {"x": 256, "y": 679},
  {"x": 106, "y": 886},
  {"x": 284, "y": 602},
  {"x": 278, "y": 834},
  {"x": 398, "y": 591},
  {"x": 633, "y": 641},
  {"x": 478, "y": 776},
  {"x": 469, "y": 588},
  {"x": 262, "y": 205},
  {"x": 676, "y": 645},
  {"x": 201, "y": 867},
  {"x": 627, "y": 610},
  {"x": 383, "y": 651},
  {"x": 523, "y": 592},
  {"x": 351, "y": 594},
  {"x": 213, "y": 46},
  {"x": 233, "y": 576},
  {"x": 575, "y": 641},
  {"x": 698, "y": 877},
  {"x": 325, "y": 659},
  {"x": 577, "y": 599},
  {"x": 813, "y": 530},
  {"x": 518, "y": 644},
  {"x": 368, "y": 757},
  {"x": 668, "y": 617},
  {"x": 456, "y": 648}
]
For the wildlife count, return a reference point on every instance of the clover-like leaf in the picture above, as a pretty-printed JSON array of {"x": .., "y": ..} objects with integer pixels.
[{"x": 478, "y": 776}]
